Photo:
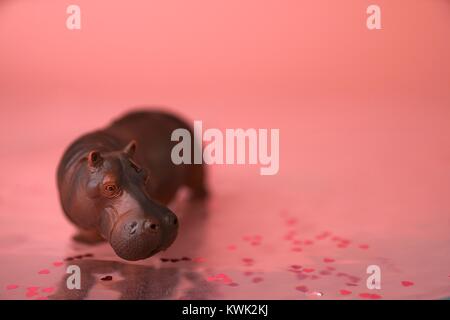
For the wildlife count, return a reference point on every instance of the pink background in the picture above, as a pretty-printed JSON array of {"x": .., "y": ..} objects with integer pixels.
[{"x": 363, "y": 117}]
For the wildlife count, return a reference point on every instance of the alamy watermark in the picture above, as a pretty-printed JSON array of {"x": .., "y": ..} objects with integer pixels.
[{"x": 235, "y": 146}]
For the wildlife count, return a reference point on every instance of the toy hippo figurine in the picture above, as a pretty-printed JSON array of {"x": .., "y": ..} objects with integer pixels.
[{"x": 116, "y": 183}]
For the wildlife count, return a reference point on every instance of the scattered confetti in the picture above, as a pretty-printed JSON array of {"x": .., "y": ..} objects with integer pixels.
[
  {"x": 302, "y": 288},
  {"x": 58, "y": 263},
  {"x": 30, "y": 294},
  {"x": 48, "y": 290},
  {"x": 221, "y": 277},
  {"x": 328, "y": 260},
  {"x": 370, "y": 296},
  {"x": 11, "y": 286},
  {"x": 257, "y": 279},
  {"x": 345, "y": 292},
  {"x": 44, "y": 271},
  {"x": 407, "y": 283}
]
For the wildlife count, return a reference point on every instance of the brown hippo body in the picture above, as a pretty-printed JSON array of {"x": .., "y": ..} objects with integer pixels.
[{"x": 117, "y": 182}]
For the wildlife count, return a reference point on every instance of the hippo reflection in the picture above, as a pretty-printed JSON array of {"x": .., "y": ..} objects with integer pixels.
[{"x": 115, "y": 183}]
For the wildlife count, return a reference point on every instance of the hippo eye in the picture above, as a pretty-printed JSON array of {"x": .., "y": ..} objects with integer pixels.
[{"x": 111, "y": 190}]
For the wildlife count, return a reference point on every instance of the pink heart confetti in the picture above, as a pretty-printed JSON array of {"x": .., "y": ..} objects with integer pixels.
[
  {"x": 328, "y": 260},
  {"x": 58, "y": 263}
]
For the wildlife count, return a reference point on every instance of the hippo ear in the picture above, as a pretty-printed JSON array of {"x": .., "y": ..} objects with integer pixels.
[
  {"x": 94, "y": 159},
  {"x": 130, "y": 149}
]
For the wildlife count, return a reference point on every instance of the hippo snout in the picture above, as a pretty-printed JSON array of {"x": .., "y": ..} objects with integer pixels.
[{"x": 139, "y": 236}]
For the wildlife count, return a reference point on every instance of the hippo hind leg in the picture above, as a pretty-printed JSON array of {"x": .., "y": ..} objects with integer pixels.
[{"x": 196, "y": 182}]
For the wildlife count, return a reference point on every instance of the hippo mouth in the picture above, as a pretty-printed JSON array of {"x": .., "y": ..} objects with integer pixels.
[{"x": 134, "y": 237}]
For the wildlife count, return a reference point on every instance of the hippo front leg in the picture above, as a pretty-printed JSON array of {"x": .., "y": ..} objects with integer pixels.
[{"x": 88, "y": 237}]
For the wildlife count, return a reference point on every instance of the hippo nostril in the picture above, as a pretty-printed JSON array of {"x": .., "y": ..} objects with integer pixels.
[
  {"x": 132, "y": 227},
  {"x": 148, "y": 225},
  {"x": 175, "y": 220}
]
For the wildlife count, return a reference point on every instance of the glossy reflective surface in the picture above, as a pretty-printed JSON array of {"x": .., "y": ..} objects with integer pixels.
[{"x": 308, "y": 233}]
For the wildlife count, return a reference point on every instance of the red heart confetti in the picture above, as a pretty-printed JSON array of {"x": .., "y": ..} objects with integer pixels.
[
  {"x": 11, "y": 286},
  {"x": 370, "y": 296},
  {"x": 407, "y": 283},
  {"x": 44, "y": 271},
  {"x": 48, "y": 290},
  {"x": 30, "y": 294},
  {"x": 345, "y": 292},
  {"x": 308, "y": 270},
  {"x": 364, "y": 246},
  {"x": 257, "y": 279},
  {"x": 302, "y": 288},
  {"x": 32, "y": 288},
  {"x": 58, "y": 263},
  {"x": 328, "y": 260}
]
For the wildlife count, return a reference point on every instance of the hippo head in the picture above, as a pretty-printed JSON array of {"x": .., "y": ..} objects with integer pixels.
[{"x": 136, "y": 226}]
